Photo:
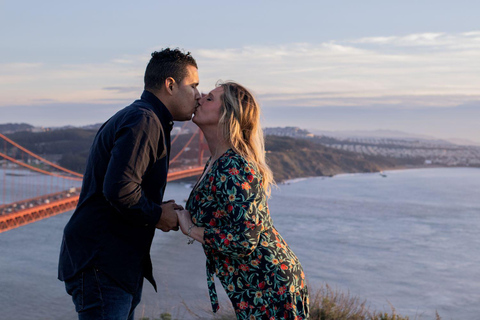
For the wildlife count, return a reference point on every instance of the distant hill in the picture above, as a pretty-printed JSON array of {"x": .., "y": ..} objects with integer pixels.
[
  {"x": 393, "y": 134},
  {"x": 95, "y": 126},
  {"x": 288, "y": 157},
  {"x": 463, "y": 142},
  {"x": 14, "y": 127},
  {"x": 373, "y": 134},
  {"x": 384, "y": 134},
  {"x": 293, "y": 158},
  {"x": 446, "y": 122},
  {"x": 69, "y": 147}
]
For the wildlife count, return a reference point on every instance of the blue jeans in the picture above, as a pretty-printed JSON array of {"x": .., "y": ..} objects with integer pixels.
[{"x": 97, "y": 296}]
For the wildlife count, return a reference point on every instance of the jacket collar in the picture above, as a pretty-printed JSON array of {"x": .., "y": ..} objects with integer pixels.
[{"x": 159, "y": 108}]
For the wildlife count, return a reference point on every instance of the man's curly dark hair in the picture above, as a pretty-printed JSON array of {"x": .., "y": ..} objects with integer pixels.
[{"x": 167, "y": 63}]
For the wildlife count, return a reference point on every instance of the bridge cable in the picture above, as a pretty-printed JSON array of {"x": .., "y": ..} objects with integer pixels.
[
  {"x": 40, "y": 158},
  {"x": 37, "y": 169},
  {"x": 178, "y": 135},
  {"x": 183, "y": 149}
]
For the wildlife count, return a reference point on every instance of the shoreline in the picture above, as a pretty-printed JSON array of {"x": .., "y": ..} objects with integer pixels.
[{"x": 398, "y": 168}]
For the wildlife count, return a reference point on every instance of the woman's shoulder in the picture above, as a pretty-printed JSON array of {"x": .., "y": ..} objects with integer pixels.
[
  {"x": 233, "y": 162},
  {"x": 232, "y": 158}
]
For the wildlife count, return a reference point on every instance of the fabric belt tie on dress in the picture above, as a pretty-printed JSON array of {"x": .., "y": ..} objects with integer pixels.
[{"x": 212, "y": 291}]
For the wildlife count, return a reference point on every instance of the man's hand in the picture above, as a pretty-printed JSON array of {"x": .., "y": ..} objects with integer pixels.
[
  {"x": 176, "y": 206},
  {"x": 169, "y": 220}
]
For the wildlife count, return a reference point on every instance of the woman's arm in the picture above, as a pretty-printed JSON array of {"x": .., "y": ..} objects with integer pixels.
[{"x": 187, "y": 226}]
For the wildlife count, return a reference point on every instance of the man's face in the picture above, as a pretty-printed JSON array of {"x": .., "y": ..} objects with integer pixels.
[{"x": 186, "y": 96}]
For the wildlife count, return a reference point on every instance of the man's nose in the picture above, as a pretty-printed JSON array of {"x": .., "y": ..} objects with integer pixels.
[{"x": 201, "y": 98}]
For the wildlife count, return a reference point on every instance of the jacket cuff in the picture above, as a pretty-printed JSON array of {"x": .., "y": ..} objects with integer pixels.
[{"x": 153, "y": 219}]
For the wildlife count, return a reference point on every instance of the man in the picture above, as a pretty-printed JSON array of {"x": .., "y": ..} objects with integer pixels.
[{"x": 105, "y": 252}]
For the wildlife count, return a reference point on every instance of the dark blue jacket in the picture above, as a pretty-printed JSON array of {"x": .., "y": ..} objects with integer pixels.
[{"x": 113, "y": 225}]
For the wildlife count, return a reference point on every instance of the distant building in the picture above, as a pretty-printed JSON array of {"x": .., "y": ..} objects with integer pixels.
[{"x": 293, "y": 132}]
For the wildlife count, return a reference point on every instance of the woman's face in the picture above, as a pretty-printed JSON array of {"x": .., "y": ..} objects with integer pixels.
[{"x": 209, "y": 107}]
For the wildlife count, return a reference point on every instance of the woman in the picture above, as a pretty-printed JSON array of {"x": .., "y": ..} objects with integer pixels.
[{"x": 227, "y": 212}]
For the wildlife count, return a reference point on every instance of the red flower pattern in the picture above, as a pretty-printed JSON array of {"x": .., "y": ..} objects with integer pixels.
[
  {"x": 244, "y": 267},
  {"x": 230, "y": 203},
  {"x": 233, "y": 171}
]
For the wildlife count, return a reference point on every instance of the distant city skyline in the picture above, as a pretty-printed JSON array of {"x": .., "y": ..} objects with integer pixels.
[{"x": 77, "y": 63}]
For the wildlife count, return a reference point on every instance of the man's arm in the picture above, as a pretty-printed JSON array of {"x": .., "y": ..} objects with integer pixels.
[{"x": 135, "y": 150}]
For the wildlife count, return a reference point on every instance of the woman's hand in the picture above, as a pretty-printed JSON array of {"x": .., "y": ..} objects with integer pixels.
[{"x": 184, "y": 220}]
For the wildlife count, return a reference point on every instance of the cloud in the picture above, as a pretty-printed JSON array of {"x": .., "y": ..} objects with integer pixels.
[
  {"x": 33, "y": 83},
  {"x": 413, "y": 69},
  {"x": 421, "y": 39},
  {"x": 58, "y": 114},
  {"x": 124, "y": 89},
  {"x": 437, "y": 69},
  {"x": 45, "y": 100},
  {"x": 340, "y": 100},
  {"x": 433, "y": 41},
  {"x": 18, "y": 67}
]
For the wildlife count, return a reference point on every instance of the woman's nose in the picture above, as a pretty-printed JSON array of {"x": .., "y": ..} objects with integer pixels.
[{"x": 202, "y": 98}]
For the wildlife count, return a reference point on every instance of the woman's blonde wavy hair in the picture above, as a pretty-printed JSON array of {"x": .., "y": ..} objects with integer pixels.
[{"x": 240, "y": 125}]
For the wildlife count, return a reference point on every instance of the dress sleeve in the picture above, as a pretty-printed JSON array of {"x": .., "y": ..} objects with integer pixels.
[{"x": 236, "y": 187}]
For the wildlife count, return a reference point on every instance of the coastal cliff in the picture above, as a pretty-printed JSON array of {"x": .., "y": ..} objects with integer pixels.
[{"x": 295, "y": 158}]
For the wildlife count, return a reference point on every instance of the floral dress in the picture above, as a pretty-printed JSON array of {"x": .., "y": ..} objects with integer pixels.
[{"x": 261, "y": 275}]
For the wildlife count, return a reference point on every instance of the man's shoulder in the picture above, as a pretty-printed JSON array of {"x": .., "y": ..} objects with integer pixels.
[
  {"x": 132, "y": 117},
  {"x": 140, "y": 108},
  {"x": 137, "y": 112}
]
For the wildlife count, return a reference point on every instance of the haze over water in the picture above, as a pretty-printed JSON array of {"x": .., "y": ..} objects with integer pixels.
[{"x": 410, "y": 239}]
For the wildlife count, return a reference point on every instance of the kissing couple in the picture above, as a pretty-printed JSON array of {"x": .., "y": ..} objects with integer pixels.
[{"x": 105, "y": 251}]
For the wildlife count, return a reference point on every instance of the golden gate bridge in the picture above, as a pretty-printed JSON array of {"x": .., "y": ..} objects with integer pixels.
[{"x": 34, "y": 188}]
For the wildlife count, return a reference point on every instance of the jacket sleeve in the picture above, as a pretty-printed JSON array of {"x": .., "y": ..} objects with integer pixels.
[
  {"x": 235, "y": 188},
  {"x": 135, "y": 149}
]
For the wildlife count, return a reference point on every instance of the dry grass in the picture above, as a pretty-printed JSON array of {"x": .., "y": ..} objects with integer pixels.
[{"x": 325, "y": 304}]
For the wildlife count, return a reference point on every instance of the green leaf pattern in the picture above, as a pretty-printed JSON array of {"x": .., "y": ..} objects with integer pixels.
[{"x": 261, "y": 275}]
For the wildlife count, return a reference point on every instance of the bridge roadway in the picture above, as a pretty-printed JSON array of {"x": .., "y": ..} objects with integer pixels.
[{"x": 27, "y": 211}]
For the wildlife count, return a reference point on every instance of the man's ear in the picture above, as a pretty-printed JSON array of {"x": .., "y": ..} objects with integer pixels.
[{"x": 170, "y": 84}]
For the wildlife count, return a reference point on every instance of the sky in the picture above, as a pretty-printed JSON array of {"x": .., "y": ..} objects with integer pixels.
[{"x": 412, "y": 66}]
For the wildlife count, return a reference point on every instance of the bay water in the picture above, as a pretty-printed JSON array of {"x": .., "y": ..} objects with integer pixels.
[{"x": 408, "y": 240}]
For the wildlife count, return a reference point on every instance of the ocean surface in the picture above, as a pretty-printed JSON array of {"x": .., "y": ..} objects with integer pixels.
[
  {"x": 409, "y": 240},
  {"x": 18, "y": 184}
]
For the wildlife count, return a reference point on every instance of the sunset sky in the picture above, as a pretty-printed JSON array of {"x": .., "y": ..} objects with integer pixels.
[{"x": 76, "y": 63}]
